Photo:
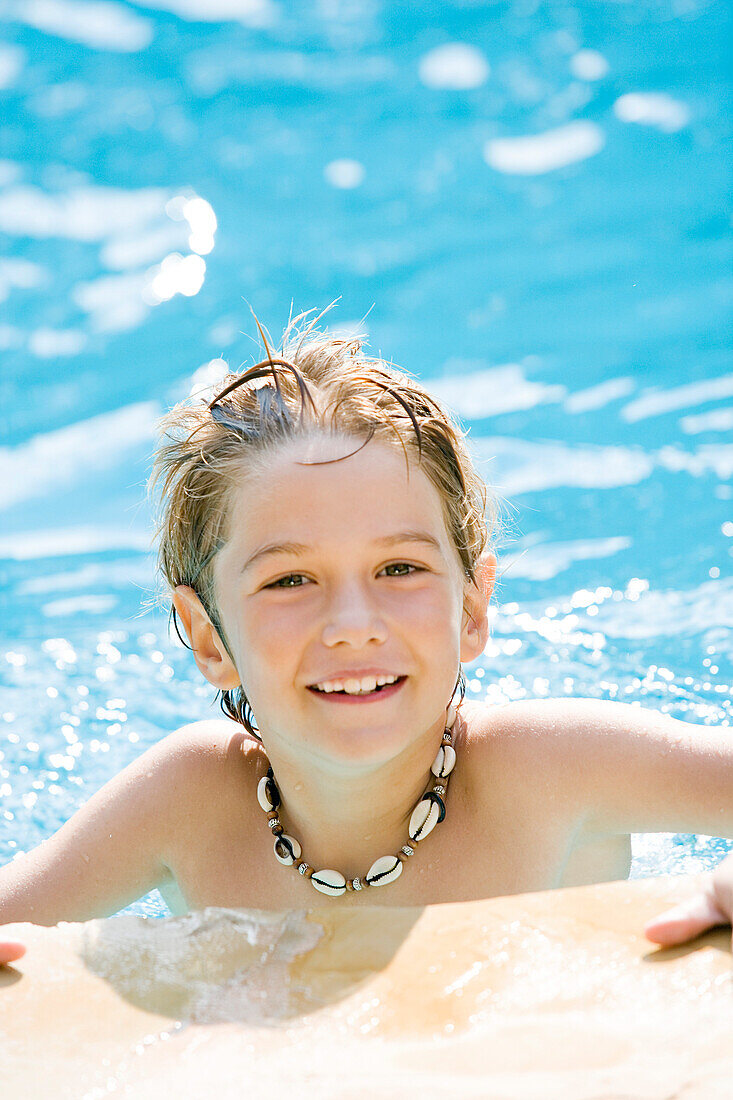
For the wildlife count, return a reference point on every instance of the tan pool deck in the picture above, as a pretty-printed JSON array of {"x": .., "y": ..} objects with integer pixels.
[{"x": 551, "y": 996}]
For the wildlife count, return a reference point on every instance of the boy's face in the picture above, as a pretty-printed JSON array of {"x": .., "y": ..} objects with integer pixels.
[{"x": 343, "y": 571}]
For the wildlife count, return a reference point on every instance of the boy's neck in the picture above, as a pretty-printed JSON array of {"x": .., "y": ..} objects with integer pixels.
[{"x": 345, "y": 824}]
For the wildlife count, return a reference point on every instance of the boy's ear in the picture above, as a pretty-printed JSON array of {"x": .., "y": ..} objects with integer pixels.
[
  {"x": 475, "y": 631},
  {"x": 208, "y": 649}
]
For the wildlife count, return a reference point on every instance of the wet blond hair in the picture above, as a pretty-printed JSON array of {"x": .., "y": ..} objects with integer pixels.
[{"x": 314, "y": 383}]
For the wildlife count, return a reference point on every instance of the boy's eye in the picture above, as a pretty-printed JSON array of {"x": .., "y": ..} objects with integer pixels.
[
  {"x": 293, "y": 580},
  {"x": 401, "y": 569}
]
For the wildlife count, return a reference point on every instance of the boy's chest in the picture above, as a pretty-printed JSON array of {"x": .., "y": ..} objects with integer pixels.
[{"x": 232, "y": 863}]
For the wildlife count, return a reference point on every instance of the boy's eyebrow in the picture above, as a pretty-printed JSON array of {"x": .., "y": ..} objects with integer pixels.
[{"x": 297, "y": 549}]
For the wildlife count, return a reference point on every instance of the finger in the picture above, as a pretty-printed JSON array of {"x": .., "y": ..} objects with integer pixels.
[
  {"x": 685, "y": 921},
  {"x": 10, "y": 951}
]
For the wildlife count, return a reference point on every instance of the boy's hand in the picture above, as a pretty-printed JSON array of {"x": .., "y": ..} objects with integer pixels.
[
  {"x": 10, "y": 951},
  {"x": 713, "y": 905}
]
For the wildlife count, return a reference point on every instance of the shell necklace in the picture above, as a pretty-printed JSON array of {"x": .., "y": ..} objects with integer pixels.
[{"x": 429, "y": 812}]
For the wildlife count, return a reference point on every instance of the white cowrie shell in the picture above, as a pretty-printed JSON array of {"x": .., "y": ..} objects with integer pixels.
[
  {"x": 329, "y": 882},
  {"x": 287, "y": 849},
  {"x": 450, "y": 717},
  {"x": 262, "y": 795},
  {"x": 444, "y": 762},
  {"x": 424, "y": 819},
  {"x": 383, "y": 870}
]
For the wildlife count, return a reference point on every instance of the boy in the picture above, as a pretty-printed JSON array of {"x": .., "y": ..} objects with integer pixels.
[{"x": 323, "y": 533}]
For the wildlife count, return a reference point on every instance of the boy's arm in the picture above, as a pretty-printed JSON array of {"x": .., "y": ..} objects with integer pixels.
[
  {"x": 110, "y": 852},
  {"x": 641, "y": 771}
]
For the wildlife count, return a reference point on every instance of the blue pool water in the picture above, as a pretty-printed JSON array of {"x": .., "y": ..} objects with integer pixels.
[{"x": 531, "y": 203}]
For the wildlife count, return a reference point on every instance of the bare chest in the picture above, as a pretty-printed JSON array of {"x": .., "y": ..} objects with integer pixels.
[{"x": 232, "y": 863}]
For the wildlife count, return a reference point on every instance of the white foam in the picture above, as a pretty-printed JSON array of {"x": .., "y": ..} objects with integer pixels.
[
  {"x": 710, "y": 458},
  {"x": 12, "y": 60},
  {"x": 653, "y": 109},
  {"x": 681, "y": 397},
  {"x": 597, "y": 396},
  {"x": 84, "y": 214},
  {"x": 119, "y": 302},
  {"x": 656, "y": 614},
  {"x": 455, "y": 65},
  {"x": 589, "y": 65},
  {"x": 519, "y": 466},
  {"x": 115, "y": 302},
  {"x": 68, "y": 541},
  {"x": 491, "y": 391},
  {"x": 202, "y": 222},
  {"x": 345, "y": 174},
  {"x": 538, "y": 153},
  {"x": 141, "y": 249},
  {"x": 223, "y": 964},
  {"x": 76, "y": 605},
  {"x": 176, "y": 274},
  {"x": 48, "y": 343},
  {"x": 17, "y": 272},
  {"x": 716, "y": 420},
  {"x": 101, "y": 24},
  {"x": 209, "y": 71},
  {"x": 125, "y": 570},
  {"x": 48, "y": 462},
  {"x": 251, "y": 13},
  {"x": 542, "y": 562},
  {"x": 135, "y": 227}
]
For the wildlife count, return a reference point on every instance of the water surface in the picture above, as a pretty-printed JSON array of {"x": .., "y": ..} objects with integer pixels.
[{"x": 529, "y": 202}]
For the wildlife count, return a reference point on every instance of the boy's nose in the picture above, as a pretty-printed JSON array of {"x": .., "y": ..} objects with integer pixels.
[{"x": 353, "y": 618}]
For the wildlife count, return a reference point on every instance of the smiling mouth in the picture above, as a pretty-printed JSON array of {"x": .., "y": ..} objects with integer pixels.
[{"x": 360, "y": 693}]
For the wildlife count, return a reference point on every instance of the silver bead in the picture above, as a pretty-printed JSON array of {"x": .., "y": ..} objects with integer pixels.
[
  {"x": 274, "y": 822},
  {"x": 439, "y": 788},
  {"x": 302, "y": 867},
  {"x": 356, "y": 884},
  {"x": 407, "y": 850}
]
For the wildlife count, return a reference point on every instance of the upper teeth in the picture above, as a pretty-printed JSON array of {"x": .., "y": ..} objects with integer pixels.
[{"x": 354, "y": 686}]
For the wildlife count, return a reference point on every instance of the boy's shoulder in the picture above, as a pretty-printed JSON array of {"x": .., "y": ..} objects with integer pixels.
[
  {"x": 576, "y": 747},
  {"x": 211, "y": 735},
  {"x": 521, "y": 763},
  {"x": 204, "y": 768},
  {"x": 547, "y": 719},
  {"x": 547, "y": 740},
  {"x": 212, "y": 745}
]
